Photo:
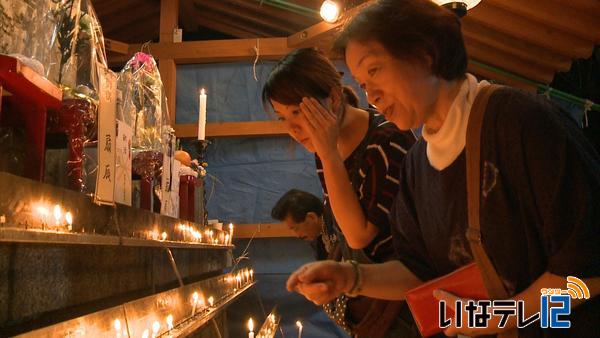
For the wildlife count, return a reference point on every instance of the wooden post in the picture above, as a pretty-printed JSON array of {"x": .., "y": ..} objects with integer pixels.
[{"x": 169, "y": 17}]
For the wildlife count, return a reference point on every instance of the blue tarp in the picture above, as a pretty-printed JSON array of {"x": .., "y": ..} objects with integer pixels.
[{"x": 246, "y": 177}]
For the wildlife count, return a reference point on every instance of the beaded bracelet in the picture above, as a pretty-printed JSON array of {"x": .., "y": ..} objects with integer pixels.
[{"x": 358, "y": 280}]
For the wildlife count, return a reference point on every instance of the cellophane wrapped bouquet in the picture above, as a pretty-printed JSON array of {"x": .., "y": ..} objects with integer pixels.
[{"x": 144, "y": 108}]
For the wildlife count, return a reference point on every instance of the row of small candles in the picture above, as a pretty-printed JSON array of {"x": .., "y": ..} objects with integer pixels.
[
  {"x": 269, "y": 328},
  {"x": 58, "y": 219},
  {"x": 199, "y": 305}
]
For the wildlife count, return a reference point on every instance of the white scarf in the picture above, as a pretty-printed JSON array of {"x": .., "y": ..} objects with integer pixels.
[{"x": 444, "y": 146}]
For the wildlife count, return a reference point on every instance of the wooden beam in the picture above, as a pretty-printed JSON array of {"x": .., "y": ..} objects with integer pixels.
[
  {"x": 223, "y": 7},
  {"x": 555, "y": 15},
  {"x": 168, "y": 75},
  {"x": 116, "y": 46},
  {"x": 523, "y": 28},
  {"x": 473, "y": 32},
  {"x": 265, "y": 9},
  {"x": 229, "y": 129},
  {"x": 310, "y": 36},
  {"x": 228, "y": 25},
  {"x": 216, "y": 50},
  {"x": 591, "y": 7},
  {"x": 510, "y": 62},
  {"x": 169, "y": 19},
  {"x": 500, "y": 78},
  {"x": 272, "y": 230}
]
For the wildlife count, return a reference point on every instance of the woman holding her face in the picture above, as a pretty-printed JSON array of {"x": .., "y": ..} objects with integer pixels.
[
  {"x": 540, "y": 178},
  {"x": 358, "y": 158}
]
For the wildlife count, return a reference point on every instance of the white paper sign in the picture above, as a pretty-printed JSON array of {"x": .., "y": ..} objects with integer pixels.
[
  {"x": 123, "y": 175},
  {"x": 105, "y": 176},
  {"x": 170, "y": 179}
]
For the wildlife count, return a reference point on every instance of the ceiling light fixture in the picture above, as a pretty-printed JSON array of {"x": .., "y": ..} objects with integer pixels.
[
  {"x": 331, "y": 10},
  {"x": 460, "y": 8}
]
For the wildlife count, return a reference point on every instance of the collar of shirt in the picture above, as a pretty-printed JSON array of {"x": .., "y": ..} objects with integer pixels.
[{"x": 444, "y": 146}]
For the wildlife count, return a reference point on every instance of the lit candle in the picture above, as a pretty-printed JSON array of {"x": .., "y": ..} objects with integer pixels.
[
  {"x": 250, "y": 328},
  {"x": 194, "y": 302},
  {"x": 238, "y": 280},
  {"x": 230, "y": 232},
  {"x": 202, "y": 116},
  {"x": 164, "y": 236},
  {"x": 57, "y": 214},
  {"x": 117, "y": 326},
  {"x": 69, "y": 219},
  {"x": 299, "y": 325},
  {"x": 145, "y": 334},
  {"x": 155, "y": 328},
  {"x": 211, "y": 301},
  {"x": 170, "y": 322},
  {"x": 44, "y": 213},
  {"x": 251, "y": 275}
]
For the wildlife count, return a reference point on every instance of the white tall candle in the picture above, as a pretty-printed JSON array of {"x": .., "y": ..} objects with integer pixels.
[
  {"x": 299, "y": 325},
  {"x": 202, "y": 116},
  {"x": 250, "y": 328}
]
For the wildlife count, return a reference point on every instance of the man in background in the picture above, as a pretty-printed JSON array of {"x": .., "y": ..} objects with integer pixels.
[{"x": 302, "y": 212}]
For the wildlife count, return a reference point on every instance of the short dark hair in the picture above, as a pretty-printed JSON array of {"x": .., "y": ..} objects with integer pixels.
[
  {"x": 305, "y": 72},
  {"x": 411, "y": 29},
  {"x": 297, "y": 203}
]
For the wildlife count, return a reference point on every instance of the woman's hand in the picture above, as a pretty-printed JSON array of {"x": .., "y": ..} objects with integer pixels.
[
  {"x": 323, "y": 281},
  {"x": 322, "y": 125}
]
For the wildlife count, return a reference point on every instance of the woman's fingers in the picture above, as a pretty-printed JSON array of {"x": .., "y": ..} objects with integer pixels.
[
  {"x": 313, "y": 117},
  {"x": 318, "y": 293},
  {"x": 294, "y": 279}
]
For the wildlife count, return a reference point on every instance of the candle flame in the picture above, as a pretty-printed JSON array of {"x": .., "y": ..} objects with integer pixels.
[
  {"x": 170, "y": 321},
  {"x": 211, "y": 301},
  {"x": 155, "y": 327},
  {"x": 43, "y": 211},
  {"x": 250, "y": 325},
  {"x": 69, "y": 218},
  {"x": 117, "y": 325},
  {"x": 202, "y": 91},
  {"x": 195, "y": 297},
  {"x": 230, "y": 226},
  {"x": 145, "y": 334},
  {"x": 299, "y": 324},
  {"x": 57, "y": 213},
  {"x": 164, "y": 236}
]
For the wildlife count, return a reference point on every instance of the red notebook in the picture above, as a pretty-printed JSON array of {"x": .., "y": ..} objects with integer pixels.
[{"x": 465, "y": 282}]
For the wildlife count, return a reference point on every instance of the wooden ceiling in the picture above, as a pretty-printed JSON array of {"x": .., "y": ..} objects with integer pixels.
[{"x": 533, "y": 39}]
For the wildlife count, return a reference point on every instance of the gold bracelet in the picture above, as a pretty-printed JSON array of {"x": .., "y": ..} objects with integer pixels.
[{"x": 358, "y": 280}]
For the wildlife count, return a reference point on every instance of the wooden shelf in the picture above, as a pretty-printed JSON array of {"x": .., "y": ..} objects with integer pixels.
[
  {"x": 268, "y": 230},
  {"x": 193, "y": 324},
  {"x": 92, "y": 224},
  {"x": 229, "y": 129},
  {"x": 142, "y": 314},
  {"x": 12, "y": 235},
  {"x": 21, "y": 80}
]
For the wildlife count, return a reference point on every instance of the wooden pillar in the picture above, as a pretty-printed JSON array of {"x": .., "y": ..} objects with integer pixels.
[{"x": 169, "y": 18}]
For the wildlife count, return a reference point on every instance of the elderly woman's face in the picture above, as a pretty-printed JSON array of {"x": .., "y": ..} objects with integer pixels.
[{"x": 404, "y": 92}]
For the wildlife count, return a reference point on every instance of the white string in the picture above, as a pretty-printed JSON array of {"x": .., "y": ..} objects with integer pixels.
[
  {"x": 547, "y": 92},
  {"x": 587, "y": 106},
  {"x": 257, "y": 51}
]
